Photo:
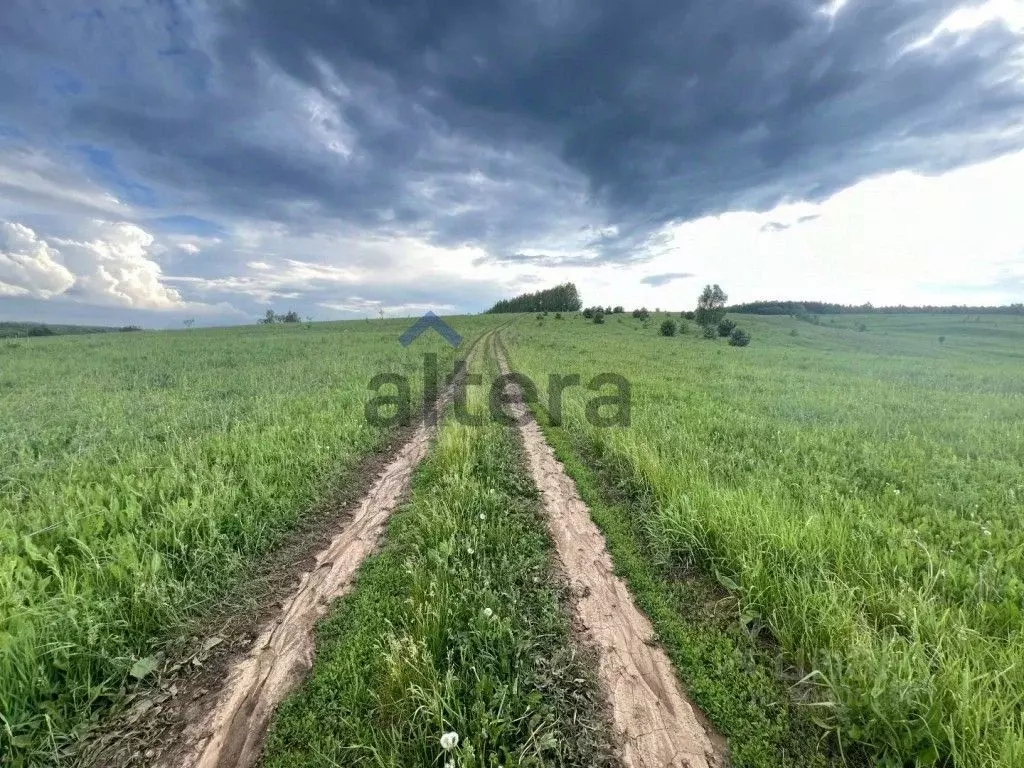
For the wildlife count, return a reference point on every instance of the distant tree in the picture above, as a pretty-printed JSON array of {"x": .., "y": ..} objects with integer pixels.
[
  {"x": 641, "y": 314},
  {"x": 618, "y": 310},
  {"x": 739, "y": 338},
  {"x": 291, "y": 317},
  {"x": 190, "y": 322},
  {"x": 41, "y": 330},
  {"x": 589, "y": 313},
  {"x": 668, "y": 327},
  {"x": 710, "y": 306},
  {"x": 725, "y": 327},
  {"x": 599, "y": 317},
  {"x": 561, "y": 298},
  {"x": 269, "y": 319}
]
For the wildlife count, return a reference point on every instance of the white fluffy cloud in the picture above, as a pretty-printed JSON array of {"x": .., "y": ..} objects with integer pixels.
[
  {"x": 29, "y": 266},
  {"x": 110, "y": 266}
]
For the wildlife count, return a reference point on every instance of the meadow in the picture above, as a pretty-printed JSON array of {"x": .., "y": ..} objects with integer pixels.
[
  {"x": 142, "y": 474},
  {"x": 854, "y": 485}
]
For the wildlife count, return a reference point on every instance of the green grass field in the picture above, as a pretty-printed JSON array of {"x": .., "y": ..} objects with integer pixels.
[
  {"x": 141, "y": 473},
  {"x": 859, "y": 491},
  {"x": 825, "y": 528}
]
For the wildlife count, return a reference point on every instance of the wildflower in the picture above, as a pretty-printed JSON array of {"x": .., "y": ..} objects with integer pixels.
[
  {"x": 469, "y": 550},
  {"x": 488, "y": 612},
  {"x": 449, "y": 741},
  {"x": 896, "y": 491},
  {"x": 483, "y": 516}
]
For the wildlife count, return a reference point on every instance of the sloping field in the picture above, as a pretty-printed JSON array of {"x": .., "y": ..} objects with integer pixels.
[
  {"x": 142, "y": 474},
  {"x": 823, "y": 529},
  {"x": 857, "y": 485}
]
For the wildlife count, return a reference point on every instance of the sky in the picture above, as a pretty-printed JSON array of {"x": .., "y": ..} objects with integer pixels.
[{"x": 169, "y": 160}]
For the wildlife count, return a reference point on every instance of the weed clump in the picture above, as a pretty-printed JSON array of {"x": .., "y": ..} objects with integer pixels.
[
  {"x": 668, "y": 327},
  {"x": 726, "y": 327}
]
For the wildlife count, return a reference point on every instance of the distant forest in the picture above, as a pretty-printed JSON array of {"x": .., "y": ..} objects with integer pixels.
[
  {"x": 824, "y": 308},
  {"x": 13, "y": 330},
  {"x": 561, "y": 298}
]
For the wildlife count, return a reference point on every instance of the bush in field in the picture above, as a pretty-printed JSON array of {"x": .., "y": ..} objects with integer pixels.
[
  {"x": 861, "y": 327},
  {"x": 689, "y": 315},
  {"x": 709, "y": 332},
  {"x": 726, "y": 327},
  {"x": 641, "y": 314},
  {"x": 942, "y": 339},
  {"x": 684, "y": 327},
  {"x": 668, "y": 327},
  {"x": 618, "y": 310},
  {"x": 599, "y": 317},
  {"x": 558, "y": 315},
  {"x": 41, "y": 330},
  {"x": 588, "y": 313},
  {"x": 739, "y": 338}
]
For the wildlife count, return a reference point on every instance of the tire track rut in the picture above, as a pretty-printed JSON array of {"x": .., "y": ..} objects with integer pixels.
[
  {"x": 234, "y": 727},
  {"x": 658, "y": 725}
]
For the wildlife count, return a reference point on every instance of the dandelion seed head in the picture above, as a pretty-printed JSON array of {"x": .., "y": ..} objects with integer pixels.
[
  {"x": 449, "y": 741},
  {"x": 488, "y": 612}
]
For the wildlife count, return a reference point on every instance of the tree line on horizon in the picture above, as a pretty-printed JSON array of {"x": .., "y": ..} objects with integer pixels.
[
  {"x": 561, "y": 298},
  {"x": 827, "y": 308}
]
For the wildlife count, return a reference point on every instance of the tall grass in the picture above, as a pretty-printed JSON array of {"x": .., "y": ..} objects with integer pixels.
[
  {"x": 139, "y": 475},
  {"x": 860, "y": 492}
]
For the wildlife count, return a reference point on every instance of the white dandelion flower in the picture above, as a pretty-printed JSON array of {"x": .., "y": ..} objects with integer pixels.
[
  {"x": 449, "y": 741},
  {"x": 469, "y": 550},
  {"x": 488, "y": 612},
  {"x": 483, "y": 516}
]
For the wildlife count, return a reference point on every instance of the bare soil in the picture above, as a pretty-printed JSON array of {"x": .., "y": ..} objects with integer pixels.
[{"x": 656, "y": 722}]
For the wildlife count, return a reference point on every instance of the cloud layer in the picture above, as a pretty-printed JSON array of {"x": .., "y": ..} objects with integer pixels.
[{"x": 366, "y": 152}]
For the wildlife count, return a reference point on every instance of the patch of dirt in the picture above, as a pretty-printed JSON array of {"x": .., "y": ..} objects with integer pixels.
[
  {"x": 218, "y": 715},
  {"x": 659, "y": 726}
]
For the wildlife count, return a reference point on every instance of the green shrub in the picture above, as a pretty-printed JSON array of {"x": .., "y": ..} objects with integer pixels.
[
  {"x": 709, "y": 332},
  {"x": 739, "y": 338},
  {"x": 726, "y": 327},
  {"x": 668, "y": 327},
  {"x": 558, "y": 315},
  {"x": 588, "y": 313},
  {"x": 599, "y": 317}
]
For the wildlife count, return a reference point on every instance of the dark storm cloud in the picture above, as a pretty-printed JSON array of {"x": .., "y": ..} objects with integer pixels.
[
  {"x": 505, "y": 124},
  {"x": 664, "y": 279}
]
